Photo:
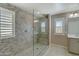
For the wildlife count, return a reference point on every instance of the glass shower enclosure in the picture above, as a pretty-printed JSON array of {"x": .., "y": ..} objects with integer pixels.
[{"x": 40, "y": 34}]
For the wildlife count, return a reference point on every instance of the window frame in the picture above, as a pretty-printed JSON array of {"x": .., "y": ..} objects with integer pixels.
[{"x": 63, "y": 27}]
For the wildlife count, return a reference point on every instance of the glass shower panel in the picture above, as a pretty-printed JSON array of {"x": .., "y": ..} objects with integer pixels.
[{"x": 41, "y": 41}]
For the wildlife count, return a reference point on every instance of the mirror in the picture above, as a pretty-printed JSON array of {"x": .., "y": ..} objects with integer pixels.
[{"x": 73, "y": 27}]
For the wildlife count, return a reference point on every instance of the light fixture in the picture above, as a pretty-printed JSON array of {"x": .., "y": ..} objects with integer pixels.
[
  {"x": 75, "y": 14},
  {"x": 71, "y": 15},
  {"x": 36, "y": 21}
]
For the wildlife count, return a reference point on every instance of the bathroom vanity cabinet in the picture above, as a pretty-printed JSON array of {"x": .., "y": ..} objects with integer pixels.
[
  {"x": 74, "y": 45},
  {"x": 73, "y": 35}
]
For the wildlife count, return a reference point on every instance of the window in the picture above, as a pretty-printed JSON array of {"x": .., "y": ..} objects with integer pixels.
[
  {"x": 43, "y": 27},
  {"x": 7, "y": 23},
  {"x": 59, "y": 26}
]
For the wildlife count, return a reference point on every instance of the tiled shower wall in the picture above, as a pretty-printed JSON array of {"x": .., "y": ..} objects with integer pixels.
[{"x": 23, "y": 30}]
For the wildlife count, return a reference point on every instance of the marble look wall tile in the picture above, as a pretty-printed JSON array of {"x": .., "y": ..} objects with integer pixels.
[{"x": 23, "y": 40}]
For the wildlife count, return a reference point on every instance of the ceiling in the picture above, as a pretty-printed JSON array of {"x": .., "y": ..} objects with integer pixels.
[{"x": 47, "y": 8}]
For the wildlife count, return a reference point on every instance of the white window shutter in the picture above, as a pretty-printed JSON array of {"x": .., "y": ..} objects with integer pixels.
[{"x": 7, "y": 23}]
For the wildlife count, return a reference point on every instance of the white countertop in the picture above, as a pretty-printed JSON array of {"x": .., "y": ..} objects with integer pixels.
[{"x": 73, "y": 36}]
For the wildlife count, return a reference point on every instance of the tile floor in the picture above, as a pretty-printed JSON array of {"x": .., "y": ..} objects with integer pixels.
[
  {"x": 54, "y": 50},
  {"x": 40, "y": 49},
  {"x": 37, "y": 49},
  {"x": 57, "y": 50}
]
